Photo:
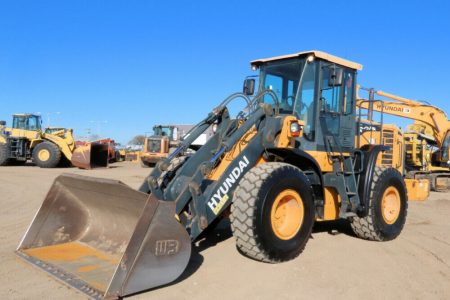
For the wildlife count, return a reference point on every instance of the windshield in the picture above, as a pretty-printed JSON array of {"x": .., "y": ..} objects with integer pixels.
[
  {"x": 154, "y": 145},
  {"x": 163, "y": 131},
  {"x": 282, "y": 77},
  {"x": 27, "y": 122}
]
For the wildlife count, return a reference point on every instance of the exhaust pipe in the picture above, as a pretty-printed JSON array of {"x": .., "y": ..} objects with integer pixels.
[{"x": 106, "y": 239}]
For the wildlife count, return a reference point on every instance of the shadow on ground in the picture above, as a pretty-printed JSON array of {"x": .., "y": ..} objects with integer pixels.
[
  {"x": 222, "y": 231},
  {"x": 340, "y": 226},
  {"x": 211, "y": 237}
]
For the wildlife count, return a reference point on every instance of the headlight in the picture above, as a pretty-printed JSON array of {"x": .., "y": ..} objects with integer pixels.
[{"x": 295, "y": 128}]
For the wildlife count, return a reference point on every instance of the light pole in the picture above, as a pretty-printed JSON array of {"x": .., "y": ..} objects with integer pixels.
[
  {"x": 98, "y": 126},
  {"x": 48, "y": 117}
]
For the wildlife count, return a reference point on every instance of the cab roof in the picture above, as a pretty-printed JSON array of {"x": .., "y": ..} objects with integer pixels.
[
  {"x": 318, "y": 54},
  {"x": 26, "y": 115}
]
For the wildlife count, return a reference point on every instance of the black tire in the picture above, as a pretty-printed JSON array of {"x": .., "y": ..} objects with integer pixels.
[
  {"x": 54, "y": 156},
  {"x": 374, "y": 226},
  {"x": 145, "y": 164},
  {"x": 117, "y": 155},
  {"x": 251, "y": 212},
  {"x": 4, "y": 159}
]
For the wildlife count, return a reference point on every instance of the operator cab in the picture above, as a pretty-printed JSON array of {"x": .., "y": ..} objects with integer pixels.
[
  {"x": 160, "y": 130},
  {"x": 317, "y": 88},
  {"x": 446, "y": 149},
  {"x": 29, "y": 122}
]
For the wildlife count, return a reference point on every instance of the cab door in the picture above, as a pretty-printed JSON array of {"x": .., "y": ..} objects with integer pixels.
[{"x": 336, "y": 105}]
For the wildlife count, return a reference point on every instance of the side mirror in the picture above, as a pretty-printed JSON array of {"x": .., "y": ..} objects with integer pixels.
[
  {"x": 249, "y": 87},
  {"x": 336, "y": 77}
]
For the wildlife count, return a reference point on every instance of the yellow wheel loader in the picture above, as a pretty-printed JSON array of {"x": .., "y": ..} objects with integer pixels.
[
  {"x": 47, "y": 148},
  {"x": 156, "y": 147},
  {"x": 164, "y": 139},
  {"x": 26, "y": 140},
  {"x": 286, "y": 161}
]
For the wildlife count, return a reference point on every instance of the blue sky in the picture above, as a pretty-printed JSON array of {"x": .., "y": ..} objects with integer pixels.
[{"x": 123, "y": 66}]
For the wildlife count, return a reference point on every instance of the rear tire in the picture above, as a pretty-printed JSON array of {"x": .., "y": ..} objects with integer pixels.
[
  {"x": 272, "y": 213},
  {"x": 387, "y": 207},
  {"x": 4, "y": 159},
  {"x": 46, "y": 155}
]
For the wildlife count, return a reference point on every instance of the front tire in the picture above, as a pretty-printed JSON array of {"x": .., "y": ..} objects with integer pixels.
[
  {"x": 46, "y": 155},
  {"x": 4, "y": 159},
  {"x": 272, "y": 213},
  {"x": 387, "y": 207}
]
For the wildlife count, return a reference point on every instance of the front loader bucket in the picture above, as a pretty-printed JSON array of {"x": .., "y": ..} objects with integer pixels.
[
  {"x": 91, "y": 155},
  {"x": 106, "y": 239}
]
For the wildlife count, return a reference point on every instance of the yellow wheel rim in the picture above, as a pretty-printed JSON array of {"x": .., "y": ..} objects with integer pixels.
[
  {"x": 390, "y": 205},
  {"x": 44, "y": 155},
  {"x": 287, "y": 214}
]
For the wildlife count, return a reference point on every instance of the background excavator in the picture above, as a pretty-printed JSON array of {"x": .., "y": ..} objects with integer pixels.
[
  {"x": 288, "y": 159},
  {"x": 427, "y": 141},
  {"x": 47, "y": 148}
]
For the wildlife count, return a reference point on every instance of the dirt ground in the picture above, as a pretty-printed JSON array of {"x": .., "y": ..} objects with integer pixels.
[{"x": 335, "y": 264}]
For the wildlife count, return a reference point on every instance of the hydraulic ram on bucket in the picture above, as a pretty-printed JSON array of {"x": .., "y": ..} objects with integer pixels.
[{"x": 106, "y": 239}]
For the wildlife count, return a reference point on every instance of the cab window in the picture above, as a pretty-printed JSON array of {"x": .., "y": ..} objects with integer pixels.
[
  {"x": 275, "y": 84},
  {"x": 446, "y": 147},
  {"x": 19, "y": 122},
  {"x": 304, "y": 107},
  {"x": 33, "y": 123},
  {"x": 282, "y": 79},
  {"x": 330, "y": 101},
  {"x": 349, "y": 90},
  {"x": 330, "y": 94}
]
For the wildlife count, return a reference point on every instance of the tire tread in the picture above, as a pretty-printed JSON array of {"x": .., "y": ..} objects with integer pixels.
[{"x": 243, "y": 218}]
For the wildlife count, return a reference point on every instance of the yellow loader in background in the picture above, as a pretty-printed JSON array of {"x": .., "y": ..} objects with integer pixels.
[{"x": 47, "y": 148}]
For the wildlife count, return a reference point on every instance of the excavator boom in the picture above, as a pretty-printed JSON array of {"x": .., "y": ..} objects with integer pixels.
[{"x": 410, "y": 109}]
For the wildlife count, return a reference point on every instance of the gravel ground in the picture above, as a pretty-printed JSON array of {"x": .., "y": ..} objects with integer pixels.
[{"x": 335, "y": 264}]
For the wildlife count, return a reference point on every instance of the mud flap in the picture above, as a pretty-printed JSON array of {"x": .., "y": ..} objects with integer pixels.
[
  {"x": 91, "y": 155},
  {"x": 106, "y": 239}
]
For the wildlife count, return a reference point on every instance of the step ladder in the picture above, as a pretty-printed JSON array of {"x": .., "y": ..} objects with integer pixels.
[{"x": 343, "y": 178}]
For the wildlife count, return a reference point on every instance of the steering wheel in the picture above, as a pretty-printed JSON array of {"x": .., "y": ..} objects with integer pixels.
[{"x": 290, "y": 101}]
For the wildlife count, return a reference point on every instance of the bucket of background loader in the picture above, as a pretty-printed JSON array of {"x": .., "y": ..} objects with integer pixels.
[
  {"x": 91, "y": 155},
  {"x": 106, "y": 239}
]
